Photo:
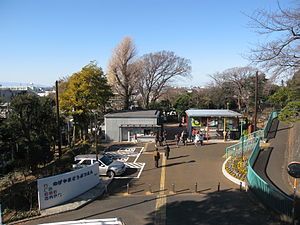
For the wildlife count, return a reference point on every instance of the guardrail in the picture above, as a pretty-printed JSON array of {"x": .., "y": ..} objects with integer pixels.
[
  {"x": 259, "y": 133},
  {"x": 246, "y": 143},
  {"x": 241, "y": 147},
  {"x": 272, "y": 116},
  {"x": 269, "y": 195}
]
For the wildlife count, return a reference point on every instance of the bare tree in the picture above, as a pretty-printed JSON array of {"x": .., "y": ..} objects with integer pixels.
[
  {"x": 237, "y": 78},
  {"x": 159, "y": 69},
  {"x": 123, "y": 70},
  {"x": 280, "y": 54}
]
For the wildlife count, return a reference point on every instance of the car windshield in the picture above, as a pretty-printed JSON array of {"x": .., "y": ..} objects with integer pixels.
[
  {"x": 77, "y": 161},
  {"x": 106, "y": 160}
]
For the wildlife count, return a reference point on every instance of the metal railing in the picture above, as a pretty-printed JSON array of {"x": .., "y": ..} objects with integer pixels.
[
  {"x": 259, "y": 133},
  {"x": 246, "y": 143},
  {"x": 268, "y": 194},
  {"x": 243, "y": 146},
  {"x": 272, "y": 116}
]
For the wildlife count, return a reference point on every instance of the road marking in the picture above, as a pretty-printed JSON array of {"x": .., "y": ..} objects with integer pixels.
[
  {"x": 138, "y": 176},
  {"x": 134, "y": 165},
  {"x": 138, "y": 155},
  {"x": 160, "y": 207}
]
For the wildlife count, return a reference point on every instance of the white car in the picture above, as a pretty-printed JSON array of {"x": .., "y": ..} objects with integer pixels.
[{"x": 107, "y": 166}]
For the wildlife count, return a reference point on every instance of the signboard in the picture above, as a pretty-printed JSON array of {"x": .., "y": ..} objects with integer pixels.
[
  {"x": 58, "y": 189},
  {"x": 196, "y": 123},
  {"x": 294, "y": 169}
]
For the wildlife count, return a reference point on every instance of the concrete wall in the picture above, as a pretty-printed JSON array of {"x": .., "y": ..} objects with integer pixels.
[{"x": 113, "y": 130}]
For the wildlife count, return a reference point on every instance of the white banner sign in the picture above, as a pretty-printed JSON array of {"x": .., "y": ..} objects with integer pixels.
[{"x": 58, "y": 189}]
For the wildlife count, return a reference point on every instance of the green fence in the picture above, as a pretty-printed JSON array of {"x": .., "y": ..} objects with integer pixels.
[
  {"x": 272, "y": 116},
  {"x": 247, "y": 142},
  {"x": 242, "y": 147},
  {"x": 269, "y": 195}
]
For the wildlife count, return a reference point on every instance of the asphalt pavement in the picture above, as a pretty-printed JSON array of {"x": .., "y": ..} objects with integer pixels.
[{"x": 183, "y": 190}]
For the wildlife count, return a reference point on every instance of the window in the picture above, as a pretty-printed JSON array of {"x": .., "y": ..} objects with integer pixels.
[{"x": 86, "y": 162}]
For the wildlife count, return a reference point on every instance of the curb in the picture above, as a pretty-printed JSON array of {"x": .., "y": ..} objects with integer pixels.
[{"x": 229, "y": 177}]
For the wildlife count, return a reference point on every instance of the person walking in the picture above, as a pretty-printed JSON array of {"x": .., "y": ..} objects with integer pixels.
[
  {"x": 197, "y": 139},
  {"x": 167, "y": 151},
  {"x": 156, "y": 157},
  {"x": 177, "y": 139},
  {"x": 184, "y": 138},
  {"x": 201, "y": 138}
]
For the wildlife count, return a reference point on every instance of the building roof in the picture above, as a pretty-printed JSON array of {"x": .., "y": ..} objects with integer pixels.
[
  {"x": 134, "y": 114},
  {"x": 212, "y": 113},
  {"x": 139, "y": 125}
]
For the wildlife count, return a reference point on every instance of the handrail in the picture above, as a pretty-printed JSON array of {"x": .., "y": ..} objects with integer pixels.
[
  {"x": 241, "y": 147},
  {"x": 272, "y": 116},
  {"x": 271, "y": 196}
]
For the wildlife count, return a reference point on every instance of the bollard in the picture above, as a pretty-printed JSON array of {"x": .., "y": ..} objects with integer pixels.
[
  {"x": 241, "y": 186},
  {"x": 127, "y": 188},
  {"x": 196, "y": 187},
  {"x": 173, "y": 188},
  {"x": 150, "y": 189},
  {"x": 219, "y": 186}
]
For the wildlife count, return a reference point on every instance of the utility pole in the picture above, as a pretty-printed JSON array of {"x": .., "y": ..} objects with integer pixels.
[
  {"x": 256, "y": 96},
  {"x": 57, "y": 120}
]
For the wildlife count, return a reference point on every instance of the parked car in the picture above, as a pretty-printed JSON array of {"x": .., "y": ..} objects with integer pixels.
[{"x": 107, "y": 166}]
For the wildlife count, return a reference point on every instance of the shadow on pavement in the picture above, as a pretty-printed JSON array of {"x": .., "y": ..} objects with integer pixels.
[
  {"x": 178, "y": 163},
  {"x": 224, "y": 207},
  {"x": 177, "y": 157}
]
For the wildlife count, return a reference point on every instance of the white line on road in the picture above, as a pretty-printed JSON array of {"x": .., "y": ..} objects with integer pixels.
[{"x": 138, "y": 155}]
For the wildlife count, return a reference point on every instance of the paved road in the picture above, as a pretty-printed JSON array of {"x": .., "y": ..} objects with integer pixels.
[{"x": 178, "y": 203}]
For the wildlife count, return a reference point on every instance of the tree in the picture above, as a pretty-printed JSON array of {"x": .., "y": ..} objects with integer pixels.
[
  {"x": 281, "y": 97},
  {"x": 87, "y": 92},
  {"x": 158, "y": 70},
  {"x": 281, "y": 52},
  {"x": 124, "y": 70},
  {"x": 291, "y": 112},
  {"x": 235, "y": 79},
  {"x": 294, "y": 85},
  {"x": 29, "y": 130},
  {"x": 183, "y": 103}
]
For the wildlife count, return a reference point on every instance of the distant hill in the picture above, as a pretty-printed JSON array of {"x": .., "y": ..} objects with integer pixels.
[{"x": 21, "y": 84}]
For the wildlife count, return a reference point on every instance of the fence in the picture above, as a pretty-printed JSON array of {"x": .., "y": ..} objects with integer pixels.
[
  {"x": 268, "y": 194},
  {"x": 247, "y": 142},
  {"x": 272, "y": 116},
  {"x": 243, "y": 146}
]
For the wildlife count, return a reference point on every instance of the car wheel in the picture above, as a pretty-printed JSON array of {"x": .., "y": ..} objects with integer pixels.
[{"x": 111, "y": 174}]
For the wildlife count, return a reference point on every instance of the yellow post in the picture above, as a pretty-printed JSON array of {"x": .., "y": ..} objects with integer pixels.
[
  {"x": 224, "y": 129},
  {"x": 294, "y": 203}
]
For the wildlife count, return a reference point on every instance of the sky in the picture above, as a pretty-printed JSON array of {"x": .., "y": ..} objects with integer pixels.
[{"x": 42, "y": 41}]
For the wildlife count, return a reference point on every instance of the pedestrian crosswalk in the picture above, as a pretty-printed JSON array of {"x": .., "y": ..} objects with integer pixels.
[
  {"x": 135, "y": 165},
  {"x": 123, "y": 154}
]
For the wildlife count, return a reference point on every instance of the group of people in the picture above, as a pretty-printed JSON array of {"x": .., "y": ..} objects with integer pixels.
[
  {"x": 181, "y": 137},
  {"x": 198, "y": 139},
  {"x": 160, "y": 139}
]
